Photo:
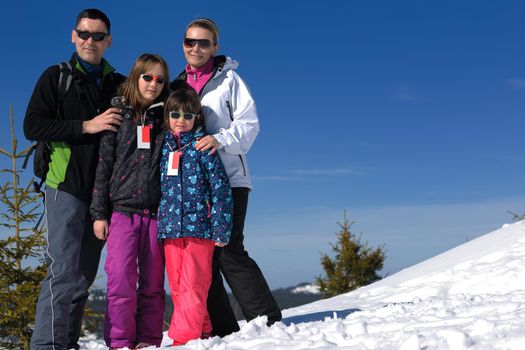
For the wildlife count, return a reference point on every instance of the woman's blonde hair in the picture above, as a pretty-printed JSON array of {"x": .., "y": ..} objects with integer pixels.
[{"x": 207, "y": 24}]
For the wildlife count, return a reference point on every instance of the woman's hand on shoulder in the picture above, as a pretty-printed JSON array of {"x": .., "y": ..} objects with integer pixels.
[
  {"x": 220, "y": 245},
  {"x": 208, "y": 142}
]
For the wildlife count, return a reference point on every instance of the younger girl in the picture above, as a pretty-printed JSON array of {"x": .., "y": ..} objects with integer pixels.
[
  {"x": 195, "y": 214},
  {"x": 125, "y": 201}
]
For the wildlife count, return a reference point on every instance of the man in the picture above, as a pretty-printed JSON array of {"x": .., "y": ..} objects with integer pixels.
[{"x": 71, "y": 126}]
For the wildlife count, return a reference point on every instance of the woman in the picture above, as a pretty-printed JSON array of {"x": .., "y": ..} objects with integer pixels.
[{"x": 231, "y": 124}]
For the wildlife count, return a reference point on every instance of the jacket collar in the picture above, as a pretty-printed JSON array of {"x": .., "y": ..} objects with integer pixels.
[
  {"x": 206, "y": 69},
  {"x": 186, "y": 137},
  {"x": 219, "y": 63},
  {"x": 106, "y": 67}
]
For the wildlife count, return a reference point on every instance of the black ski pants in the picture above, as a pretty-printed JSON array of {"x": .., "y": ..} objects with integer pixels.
[{"x": 242, "y": 274}]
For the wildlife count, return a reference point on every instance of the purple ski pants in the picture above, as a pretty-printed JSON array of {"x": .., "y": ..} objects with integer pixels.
[{"x": 135, "y": 289}]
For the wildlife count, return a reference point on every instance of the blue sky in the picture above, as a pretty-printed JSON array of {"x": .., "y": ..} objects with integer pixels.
[{"x": 409, "y": 114}]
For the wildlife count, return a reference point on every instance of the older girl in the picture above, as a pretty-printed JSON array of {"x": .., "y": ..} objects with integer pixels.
[{"x": 125, "y": 201}]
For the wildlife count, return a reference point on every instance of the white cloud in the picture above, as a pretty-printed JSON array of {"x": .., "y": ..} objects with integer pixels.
[
  {"x": 512, "y": 158},
  {"x": 516, "y": 83},
  {"x": 329, "y": 172},
  {"x": 404, "y": 94},
  {"x": 278, "y": 178},
  {"x": 307, "y": 174}
]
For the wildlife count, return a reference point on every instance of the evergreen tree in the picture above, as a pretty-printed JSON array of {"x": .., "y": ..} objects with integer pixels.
[
  {"x": 354, "y": 264},
  {"x": 21, "y": 265}
]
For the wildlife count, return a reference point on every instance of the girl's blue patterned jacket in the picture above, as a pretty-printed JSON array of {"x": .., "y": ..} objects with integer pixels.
[{"x": 198, "y": 201}]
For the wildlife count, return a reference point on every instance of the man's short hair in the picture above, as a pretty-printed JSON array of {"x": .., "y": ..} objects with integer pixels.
[{"x": 94, "y": 14}]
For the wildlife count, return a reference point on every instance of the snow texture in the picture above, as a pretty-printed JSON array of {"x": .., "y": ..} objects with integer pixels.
[{"x": 470, "y": 297}]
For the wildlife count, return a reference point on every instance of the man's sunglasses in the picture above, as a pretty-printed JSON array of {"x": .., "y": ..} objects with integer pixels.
[
  {"x": 158, "y": 78},
  {"x": 203, "y": 43},
  {"x": 185, "y": 115},
  {"x": 85, "y": 35}
]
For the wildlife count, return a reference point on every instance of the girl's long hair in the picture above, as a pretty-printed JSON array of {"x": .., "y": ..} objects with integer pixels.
[{"x": 130, "y": 88}]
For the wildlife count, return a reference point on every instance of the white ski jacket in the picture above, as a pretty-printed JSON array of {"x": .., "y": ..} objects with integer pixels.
[{"x": 231, "y": 117}]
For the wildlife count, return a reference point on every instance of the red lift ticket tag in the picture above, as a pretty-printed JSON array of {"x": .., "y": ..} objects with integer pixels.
[
  {"x": 143, "y": 136},
  {"x": 173, "y": 164}
]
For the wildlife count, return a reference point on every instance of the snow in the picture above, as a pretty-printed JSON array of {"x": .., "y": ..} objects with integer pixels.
[{"x": 470, "y": 297}]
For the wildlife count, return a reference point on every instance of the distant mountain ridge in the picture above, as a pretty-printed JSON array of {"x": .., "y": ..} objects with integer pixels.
[{"x": 303, "y": 293}]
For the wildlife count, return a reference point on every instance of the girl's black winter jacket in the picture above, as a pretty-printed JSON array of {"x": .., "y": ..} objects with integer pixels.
[{"x": 128, "y": 178}]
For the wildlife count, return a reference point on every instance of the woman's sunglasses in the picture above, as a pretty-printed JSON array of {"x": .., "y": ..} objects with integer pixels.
[
  {"x": 203, "y": 43},
  {"x": 85, "y": 35},
  {"x": 158, "y": 78},
  {"x": 185, "y": 115}
]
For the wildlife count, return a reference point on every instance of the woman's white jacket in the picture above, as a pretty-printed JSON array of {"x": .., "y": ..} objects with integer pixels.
[{"x": 230, "y": 116}]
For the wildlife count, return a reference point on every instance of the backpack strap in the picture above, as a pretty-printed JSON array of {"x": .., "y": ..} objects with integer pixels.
[
  {"x": 28, "y": 155},
  {"x": 64, "y": 83},
  {"x": 64, "y": 80}
]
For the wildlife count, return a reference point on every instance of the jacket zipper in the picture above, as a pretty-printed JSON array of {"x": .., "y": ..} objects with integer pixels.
[
  {"x": 204, "y": 87},
  {"x": 228, "y": 104},
  {"x": 230, "y": 112},
  {"x": 182, "y": 187}
]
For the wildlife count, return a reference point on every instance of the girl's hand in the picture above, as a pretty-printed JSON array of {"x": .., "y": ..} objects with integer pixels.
[
  {"x": 100, "y": 228},
  {"x": 207, "y": 142},
  {"x": 220, "y": 245}
]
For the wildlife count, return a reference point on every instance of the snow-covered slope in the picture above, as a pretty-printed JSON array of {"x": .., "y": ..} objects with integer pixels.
[{"x": 470, "y": 297}]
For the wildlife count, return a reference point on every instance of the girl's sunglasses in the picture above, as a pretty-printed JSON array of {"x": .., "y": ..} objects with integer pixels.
[
  {"x": 85, "y": 35},
  {"x": 203, "y": 43},
  {"x": 185, "y": 115},
  {"x": 158, "y": 78}
]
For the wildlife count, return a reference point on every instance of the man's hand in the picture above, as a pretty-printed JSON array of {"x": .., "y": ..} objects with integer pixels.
[
  {"x": 207, "y": 142},
  {"x": 220, "y": 245},
  {"x": 100, "y": 227},
  {"x": 109, "y": 120}
]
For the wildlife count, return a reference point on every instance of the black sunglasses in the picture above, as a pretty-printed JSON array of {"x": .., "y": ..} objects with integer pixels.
[
  {"x": 158, "y": 78},
  {"x": 85, "y": 35},
  {"x": 203, "y": 43},
  {"x": 185, "y": 115}
]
